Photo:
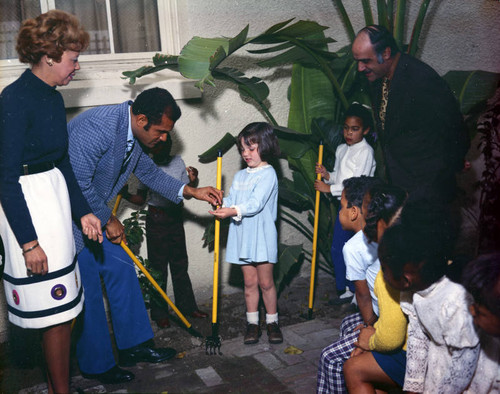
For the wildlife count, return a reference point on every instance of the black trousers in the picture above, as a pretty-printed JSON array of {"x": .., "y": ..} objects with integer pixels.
[{"x": 166, "y": 242}]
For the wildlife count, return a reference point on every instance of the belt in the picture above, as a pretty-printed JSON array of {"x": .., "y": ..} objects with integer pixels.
[{"x": 29, "y": 169}]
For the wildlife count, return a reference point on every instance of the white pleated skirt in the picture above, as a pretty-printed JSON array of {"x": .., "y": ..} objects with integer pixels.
[{"x": 41, "y": 301}]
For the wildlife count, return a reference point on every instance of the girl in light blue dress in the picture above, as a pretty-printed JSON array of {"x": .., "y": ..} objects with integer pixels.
[{"x": 253, "y": 239}]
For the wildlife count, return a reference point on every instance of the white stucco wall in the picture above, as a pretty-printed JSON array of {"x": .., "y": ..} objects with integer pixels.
[{"x": 458, "y": 35}]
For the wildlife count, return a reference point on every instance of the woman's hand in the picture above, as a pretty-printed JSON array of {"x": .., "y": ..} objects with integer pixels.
[
  {"x": 320, "y": 169},
  {"x": 222, "y": 213},
  {"x": 35, "y": 259},
  {"x": 91, "y": 227},
  {"x": 321, "y": 186}
]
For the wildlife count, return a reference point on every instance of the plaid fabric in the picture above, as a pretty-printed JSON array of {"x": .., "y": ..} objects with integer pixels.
[{"x": 330, "y": 375}]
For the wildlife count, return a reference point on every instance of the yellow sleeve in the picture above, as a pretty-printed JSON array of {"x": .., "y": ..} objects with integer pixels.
[{"x": 391, "y": 327}]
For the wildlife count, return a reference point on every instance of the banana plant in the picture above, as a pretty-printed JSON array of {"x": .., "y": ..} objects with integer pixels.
[{"x": 323, "y": 83}]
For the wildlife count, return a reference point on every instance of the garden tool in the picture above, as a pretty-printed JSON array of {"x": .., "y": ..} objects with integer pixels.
[
  {"x": 136, "y": 261},
  {"x": 213, "y": 342},
  {"x": 315, "y": 238}
]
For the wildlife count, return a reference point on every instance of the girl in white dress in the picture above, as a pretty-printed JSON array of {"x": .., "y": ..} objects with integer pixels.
[{"x": 253, "y": 239}]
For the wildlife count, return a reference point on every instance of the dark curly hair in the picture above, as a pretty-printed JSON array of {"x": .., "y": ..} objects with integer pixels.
[
  {"x": 262, "y": 134},
  {"x": 360, "y": 111},
  {"x": 50, "y": 34},
  {"x": 154, "y": 103},
  {"x": 481, "y": 278},
  {"x": 421, "y": 239},
  {"x": 385, "y": 204},
  {"x": 356, "y": 187}
]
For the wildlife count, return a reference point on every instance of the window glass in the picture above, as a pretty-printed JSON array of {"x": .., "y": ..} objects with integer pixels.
[
  {"x": 135, "y": 26},
  {"x": 92, "y": 15},
  {"x": 12, "y": 13}
]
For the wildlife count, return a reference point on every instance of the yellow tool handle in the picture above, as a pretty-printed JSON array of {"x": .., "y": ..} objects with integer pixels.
[
  {"x": 154, "y": 283},
  {"x": 315, "y": 233},
  {"x": 117, "y": 203},
  {"x": 216, "y": 246}
]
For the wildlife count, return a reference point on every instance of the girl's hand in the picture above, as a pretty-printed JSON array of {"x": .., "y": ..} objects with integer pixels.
[
  {"x": 320, "y": 169},
  {"x": 364, "y": 338},
  {"x": 91, "y": 226},
  {"x": 222, "y": 213},
  {"x": 321, "y": 186},
  {"x": 35, "y": 259}
]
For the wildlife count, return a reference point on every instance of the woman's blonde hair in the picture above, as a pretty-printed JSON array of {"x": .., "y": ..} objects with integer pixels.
[{"x": 50, "y": 34}]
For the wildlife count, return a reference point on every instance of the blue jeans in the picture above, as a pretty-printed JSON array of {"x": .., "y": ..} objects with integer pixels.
[
  {"x": 340, "y": 237},
  {"x": 131, "y": 324}
]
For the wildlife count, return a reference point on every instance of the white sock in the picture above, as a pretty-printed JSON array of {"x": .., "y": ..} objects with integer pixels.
[
  {"x": 271, "y": 318},
  {"x": 253, "y": 317}
]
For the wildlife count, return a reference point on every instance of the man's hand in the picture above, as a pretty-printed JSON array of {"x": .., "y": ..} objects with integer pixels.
[
  {"x": 321, "y": 186},
  {"x": 222, "y": 213},
  {"x": 91, "y": 227},
  {"x": 115, "y": 231},
  {"x": 320, "y": 169},
  {"x": 207, "y": 193}
]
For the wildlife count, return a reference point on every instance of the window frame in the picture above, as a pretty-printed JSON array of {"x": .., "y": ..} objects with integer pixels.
[{"x": 100, "y": 82}]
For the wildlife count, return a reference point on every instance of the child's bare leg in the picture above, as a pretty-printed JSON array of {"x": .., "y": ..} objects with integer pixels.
[
  {"x": 266, "y": 283},
  {"x": 251, "y": 287},
  {"x": 362, "y": 374},
  {"x": 56, "y": 347}
]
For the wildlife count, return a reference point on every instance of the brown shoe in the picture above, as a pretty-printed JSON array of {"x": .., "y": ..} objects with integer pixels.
[
  {"x": 163, "y": 322},
  {"x": 274, "y": 333},
  {"x": 252, "y": 335}
]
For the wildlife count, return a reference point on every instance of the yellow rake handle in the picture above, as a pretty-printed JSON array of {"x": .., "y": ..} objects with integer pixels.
[
  {"x": 154, "y": 283},
  {"x": 315, "y": 233},
  {"x": 216, "y": 245}
]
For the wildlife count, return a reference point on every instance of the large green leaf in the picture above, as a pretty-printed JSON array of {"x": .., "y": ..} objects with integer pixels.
[
  {"x": 345, "y": 19},
  {"x": 254, "y": 87},
  {"x": 311, "y": 97},
  {"x": 290, "y": 258},
  {"x": 472, "y": 88},
  {"x": 161, "y": 62},
  {"x": 417, "y": 28},
  {"x": 224, "y": 144},
  {"x": 201, "y": 55}
]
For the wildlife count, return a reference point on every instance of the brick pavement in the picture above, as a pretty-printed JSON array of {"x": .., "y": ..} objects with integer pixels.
[{"x": 259, "y": 368}]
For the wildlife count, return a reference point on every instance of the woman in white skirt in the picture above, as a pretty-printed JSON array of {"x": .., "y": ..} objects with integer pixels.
[{"x": 39, "y": 194}]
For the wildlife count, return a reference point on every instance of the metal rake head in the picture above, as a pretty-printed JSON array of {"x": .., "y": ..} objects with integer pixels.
[{"x": 212, "y": 345}]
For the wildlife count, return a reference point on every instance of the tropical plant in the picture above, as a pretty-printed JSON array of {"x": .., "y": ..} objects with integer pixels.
[{"x": 323, "y": 83}]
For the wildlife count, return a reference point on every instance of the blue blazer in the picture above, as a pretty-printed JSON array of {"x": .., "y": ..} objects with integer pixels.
[{"x": 97, "y": 145}]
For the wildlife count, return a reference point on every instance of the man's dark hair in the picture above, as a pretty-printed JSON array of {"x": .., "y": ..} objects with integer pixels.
[
  {"x": 262, "y": 134},
  {"x": 154, "y": 103},
  {"x": 356, "y": 187},
  {"x": 380, "y": 38},
  {"x": 481, "y": 278}
]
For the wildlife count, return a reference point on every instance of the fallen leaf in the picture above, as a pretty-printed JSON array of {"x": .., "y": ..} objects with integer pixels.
[
  {"x": 293, "y": 350},
  {"x": 180, "y": 355}
]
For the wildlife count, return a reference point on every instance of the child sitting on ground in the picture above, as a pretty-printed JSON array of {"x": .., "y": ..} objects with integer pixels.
[
  {"x": 481, "y": 278},
  {"x": 352, "y": 159},
  {"x": 443, "y": 346},
  {"x": 252, "y": 243},
  {"x": 380, "y": 208}
]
